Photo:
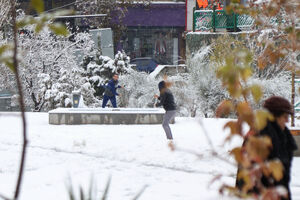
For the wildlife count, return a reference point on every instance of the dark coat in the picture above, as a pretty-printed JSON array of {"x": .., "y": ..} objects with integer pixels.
[
  {"x": 166, "y": 100},
  {"x": 111, "y": 88},
  {"x": 283, "y": 146}
]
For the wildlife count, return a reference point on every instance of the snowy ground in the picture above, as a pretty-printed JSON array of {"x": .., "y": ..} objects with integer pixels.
[{"x": 135, "y": 156}]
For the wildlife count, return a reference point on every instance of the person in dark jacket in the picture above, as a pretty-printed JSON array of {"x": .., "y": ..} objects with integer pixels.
[
  {"x": 283, "y": 143},
  {"x": 166, "y": 99},
  {"x": 110, "y": 92}
]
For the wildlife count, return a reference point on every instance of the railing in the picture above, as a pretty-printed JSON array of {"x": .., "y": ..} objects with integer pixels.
[{"x": 205, "y": 20}]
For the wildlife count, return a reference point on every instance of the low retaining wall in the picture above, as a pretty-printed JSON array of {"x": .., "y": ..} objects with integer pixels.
[
  {"x": 296, "y": 133},
  {"x": 297, "y": 138},
  {"x": 72, "y": 116}
]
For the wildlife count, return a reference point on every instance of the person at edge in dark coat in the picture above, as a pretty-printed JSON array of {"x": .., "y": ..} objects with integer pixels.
[
  {"x": 283, "y": 143},
  {"x": 166, "y": 99},
  {"x": 110, "y": 92}
]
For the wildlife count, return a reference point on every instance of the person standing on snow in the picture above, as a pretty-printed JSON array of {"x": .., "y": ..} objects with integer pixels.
[
  {"x": 110, "y": 92},
  {"x": 166, "y": 99}
]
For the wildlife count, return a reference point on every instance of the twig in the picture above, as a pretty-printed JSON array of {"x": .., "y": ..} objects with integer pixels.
[
  {"x": 4, "y": 197},
  {"x": 140, "y": 193},
  {"x": 207, "y": 137},
  {"x": 189, "y": 151},
  {"x": 213, "y": 150},
  {"x": 21, "y": 101}
]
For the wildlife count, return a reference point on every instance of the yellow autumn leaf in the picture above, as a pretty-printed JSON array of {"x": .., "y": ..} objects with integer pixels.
[
  {"x": 3, "y": 48},
  {"x": 237, "y": 153},
  {"x": 258, "y": 148},
  {"x": 261, "y": 119},
  {"x": 246, "y": 73},
  {"x": 59, "y": 29},
  {"x": 276, "y": 168},
  {"x": 246, "y": 177},
  {"x": 224, "y": 108},
  {"x": 39, "y": 27},
  {"x": 38, "y": 5},
  {"x": 257, "y": 93},
  {"x": 245, "y": 112}
]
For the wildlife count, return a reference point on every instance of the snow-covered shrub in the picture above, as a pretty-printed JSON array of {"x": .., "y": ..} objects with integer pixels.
[
  {"x": 98, "y": 69},
  {"x": 139, "y": 90},
  {"x": 87, "y": 92},
  {"x": 207, "y": 91},
  {"x": 278, "y": 84},
  {"x": 207, "y": 88},
  {"x": 59, "y": 95}
]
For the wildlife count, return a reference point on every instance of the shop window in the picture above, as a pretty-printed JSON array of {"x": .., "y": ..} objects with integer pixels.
[{"x": 161, "y": 44}]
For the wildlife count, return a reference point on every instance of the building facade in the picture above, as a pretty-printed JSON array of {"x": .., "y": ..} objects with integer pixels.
[
  {"x": 156, "y": 31},
  {"x": 153, "y": 30}
]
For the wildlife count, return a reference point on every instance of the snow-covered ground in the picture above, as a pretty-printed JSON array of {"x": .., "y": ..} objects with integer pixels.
[{"x": 135, "y": 156}]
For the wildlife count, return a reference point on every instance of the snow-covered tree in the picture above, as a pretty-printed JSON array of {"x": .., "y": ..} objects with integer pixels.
[
  {"x": 49, "y": 67},
  {"x": 5, "y": 6},
  {"x": 98, "y": 69}
]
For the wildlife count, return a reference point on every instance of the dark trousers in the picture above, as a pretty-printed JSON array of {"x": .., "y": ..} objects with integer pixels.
[{"x": 112, "y": 100}]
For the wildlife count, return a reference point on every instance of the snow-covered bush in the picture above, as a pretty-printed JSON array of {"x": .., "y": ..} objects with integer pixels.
[
  {"x": 207, "y": 91},
  {"x": 60, "y": 92},
  {"x": 98, "y": 69},
  {"x": 139, "y": 90}
]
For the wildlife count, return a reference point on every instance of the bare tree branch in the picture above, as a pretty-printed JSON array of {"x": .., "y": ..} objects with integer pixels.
[
  {"x": 21, "y": 100},
  {"x": 213, "y": 150}
]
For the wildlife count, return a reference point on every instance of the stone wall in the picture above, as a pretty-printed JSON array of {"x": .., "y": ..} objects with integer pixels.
[{"x": 72, "y": 116}]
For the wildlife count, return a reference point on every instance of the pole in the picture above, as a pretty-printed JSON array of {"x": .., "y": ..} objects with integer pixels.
[
  {"x": 214, "y": 18},
  {"x": 235, "y": 21},
  {"x": 194, "y": 23},
  {"x": 293, "y": 98}
]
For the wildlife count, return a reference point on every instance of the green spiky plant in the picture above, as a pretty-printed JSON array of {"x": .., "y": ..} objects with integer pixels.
[{"x": 91, "y": 193}]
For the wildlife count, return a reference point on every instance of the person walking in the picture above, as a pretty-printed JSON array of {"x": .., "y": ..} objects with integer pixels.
[
  {"x": 166, "y": 99},
  {"x": 283, "y": 143},
  {"x": 110, "y": 92}
]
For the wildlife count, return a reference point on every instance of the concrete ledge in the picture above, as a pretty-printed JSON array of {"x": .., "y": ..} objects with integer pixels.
[
  {"x": 296, "y": 134},
  {"x": 72, "y": 116},
  {"x": 297, "y": 139}
]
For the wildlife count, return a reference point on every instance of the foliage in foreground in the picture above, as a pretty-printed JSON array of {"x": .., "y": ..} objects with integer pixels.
[
  {"x": 91, "y": 194},
  {"x": 235, "y": 72}
]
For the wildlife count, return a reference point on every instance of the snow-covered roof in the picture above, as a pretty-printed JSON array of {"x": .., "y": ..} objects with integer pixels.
[{"x": 159, "y": 68}]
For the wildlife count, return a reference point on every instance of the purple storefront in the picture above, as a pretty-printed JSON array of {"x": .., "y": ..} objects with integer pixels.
[{"x": 155, "y": 31}]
